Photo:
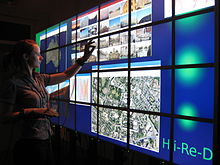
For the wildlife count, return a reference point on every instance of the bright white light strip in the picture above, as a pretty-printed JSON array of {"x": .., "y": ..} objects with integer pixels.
[
  {"x": 63, "y": 28},
  {"x": 53, "y": 32},
  {"x": 183, "y": 6}
]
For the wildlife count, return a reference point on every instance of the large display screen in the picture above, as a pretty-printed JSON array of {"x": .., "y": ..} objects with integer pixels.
[{"x": 149, "y": 85}]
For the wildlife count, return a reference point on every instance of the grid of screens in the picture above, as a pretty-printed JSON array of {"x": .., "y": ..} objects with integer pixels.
[{"x": 148, "y": 86}]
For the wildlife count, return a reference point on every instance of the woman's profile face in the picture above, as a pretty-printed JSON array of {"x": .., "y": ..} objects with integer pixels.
[{"x": 35, "y": 57}]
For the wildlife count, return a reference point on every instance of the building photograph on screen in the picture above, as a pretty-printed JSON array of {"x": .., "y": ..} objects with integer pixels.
[
  {"x": 113, "y": 16},
  {"x": 141, "y": 40},
  {"x": 71, "y": 55},
  {"x": 88, "y": 24},
  {"x": 114, "y": 47},
  {"x": 80, "y": 51},
  {"x": 73, "y": 29},
  {"x": 141, "y": 12}
]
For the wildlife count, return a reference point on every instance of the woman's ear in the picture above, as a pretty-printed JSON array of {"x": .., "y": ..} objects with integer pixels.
[{"x": 25, "y": 56}]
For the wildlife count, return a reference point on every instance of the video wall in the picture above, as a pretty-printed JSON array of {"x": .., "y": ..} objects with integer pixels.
[{"x": 149, "y": 84}]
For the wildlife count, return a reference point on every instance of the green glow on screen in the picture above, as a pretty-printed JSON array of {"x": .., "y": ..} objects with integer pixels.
[
  {"x": 190, "y": 24},
  {"x": 187, "y": 109},
  {"x": 189, "y": 77},
  {"x": 38, "y": 39},
  {"x": 187, "y": 12},
  {"x": 189, "y": 55},
  {"x": 37, "y": 70}
]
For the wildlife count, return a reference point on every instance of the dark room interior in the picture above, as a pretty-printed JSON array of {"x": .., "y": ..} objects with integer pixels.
[{"x": 147, "y": 95}]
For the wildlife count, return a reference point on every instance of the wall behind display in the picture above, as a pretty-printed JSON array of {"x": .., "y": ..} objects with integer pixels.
[{"x": 42, "y": 14}]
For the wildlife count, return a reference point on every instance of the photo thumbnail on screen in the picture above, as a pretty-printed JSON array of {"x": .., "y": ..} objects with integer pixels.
[
  {"x": 73, "y": 28},
  {"x": 185, "y": 6},
  {"x": 114, "y": 47},
  {"x": 80, "y": 50},
  {"x": 114, "y": 16},
  {"x": 71, "y": 55},
  {"x": 87, "y": 24},
  {"x": 141, "y": 41},
  {"x": 141, "y": 12}
]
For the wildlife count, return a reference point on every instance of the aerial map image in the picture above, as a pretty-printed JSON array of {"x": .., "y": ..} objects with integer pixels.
[
  {"x": 112, "y": 88},
  {"x": 144, "y": 96},
  {"x": 112, "y": 123},
  {"x": 52, "y": 57}
]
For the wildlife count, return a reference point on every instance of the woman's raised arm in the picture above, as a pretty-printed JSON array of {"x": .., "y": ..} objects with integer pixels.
[{"x": 74, "y": 69}]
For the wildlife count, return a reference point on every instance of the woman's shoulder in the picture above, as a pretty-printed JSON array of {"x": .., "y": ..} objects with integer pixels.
[
  {"x": 39, "y": 75},
  {"x": 45, "y": 78}
]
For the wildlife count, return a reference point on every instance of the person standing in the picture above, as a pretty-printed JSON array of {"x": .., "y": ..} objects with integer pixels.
[{"x": 25, "y": 101}]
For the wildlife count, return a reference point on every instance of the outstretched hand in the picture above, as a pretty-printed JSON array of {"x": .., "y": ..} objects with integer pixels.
[
  {"x": 51, "y": 112},
  {"x": 89, "y": 48},
  {"x": 41, "y": 111}
]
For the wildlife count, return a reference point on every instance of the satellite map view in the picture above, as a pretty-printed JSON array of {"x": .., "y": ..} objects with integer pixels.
[
  {"x": 53, "y": 56},
  {"x": 144, "y": 96}
]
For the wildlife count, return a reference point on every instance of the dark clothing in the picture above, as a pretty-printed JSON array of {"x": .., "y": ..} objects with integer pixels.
[
  {"x": 33, "y": 152},
  {"x": 24, "y": 92},
  {"x": 32, "y": 94}
]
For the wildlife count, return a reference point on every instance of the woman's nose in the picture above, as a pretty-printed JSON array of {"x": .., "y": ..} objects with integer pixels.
[{"x": 41, "y": 58}]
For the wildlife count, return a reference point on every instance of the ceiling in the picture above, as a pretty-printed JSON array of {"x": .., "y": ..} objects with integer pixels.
[{"x": 40, "y": 14}]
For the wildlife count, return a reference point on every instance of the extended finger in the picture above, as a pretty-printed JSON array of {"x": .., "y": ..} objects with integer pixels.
[
  {"x": 90, "y": 41},
  {"x": 92, "y": 48}
]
